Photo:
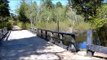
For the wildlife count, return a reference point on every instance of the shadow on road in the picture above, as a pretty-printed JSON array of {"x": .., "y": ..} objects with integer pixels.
[{"x": 17, "y": 48}]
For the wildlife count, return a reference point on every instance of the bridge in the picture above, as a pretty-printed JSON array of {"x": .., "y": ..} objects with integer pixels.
[{"x": 25, "y": 45}]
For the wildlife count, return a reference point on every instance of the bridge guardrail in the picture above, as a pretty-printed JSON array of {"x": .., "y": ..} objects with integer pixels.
[
  {"x": 92, "y": 47},
  {"x": 3, "y": 32},
  {"x": 65, "y": 40}
]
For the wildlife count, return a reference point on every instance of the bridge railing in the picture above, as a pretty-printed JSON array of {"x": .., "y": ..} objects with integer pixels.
[
  {"x": 65, "y": 40},
  {"x": 92, "y": 47},
  {"x": 3, "y": 32},
  {"x": 69, "y": 41}
]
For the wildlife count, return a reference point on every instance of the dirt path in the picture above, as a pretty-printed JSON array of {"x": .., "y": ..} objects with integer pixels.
[{"x": 23, "y": 45}]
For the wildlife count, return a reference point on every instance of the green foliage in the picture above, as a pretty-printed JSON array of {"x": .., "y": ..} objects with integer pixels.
[
  {"x": 27, "y": 13},
  {"x": 50, "y": 16},
  {"x": 97, "y": 23},
  {"x": 9, "y": 25},
  {"x": 65, "y": 17},
  {"x": 100, "y": 19},
  {"x": 102, "y": 12},
  {"x": 88, "y": 8},
  {"x": 4, "y": 13},
  {"x": 31, "y": 12},
  {"x": 48, "y": 4},
  {"x": 47, "y": 25},
  {"x": 2, "y": 25},
  {"x": 92, "y": 10},
  {"x": 4, "y": 8},
  {"x": 63, "y": 25},
  {"x": 81, "y": 26},
  {"x": 23, "y": 25},
  {"x": 22, "y": 11}
]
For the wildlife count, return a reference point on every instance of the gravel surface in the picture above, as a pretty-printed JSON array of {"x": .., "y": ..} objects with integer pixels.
[{"x": 23, "y": 45}]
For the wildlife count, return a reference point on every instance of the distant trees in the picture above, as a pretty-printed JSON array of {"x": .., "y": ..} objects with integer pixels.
[
  {"x": 46, "y": 13},
  {"x": 22, "y": 11},
  {"x": 31, "y": 13},
  {"x": 47, "y": 3},
  {"x": 59, "y": 14}
]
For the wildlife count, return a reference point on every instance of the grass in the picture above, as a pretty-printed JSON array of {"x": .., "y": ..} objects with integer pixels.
[
  {"x": 23, "y": 25},
  {"x": 63, "y": 25}
]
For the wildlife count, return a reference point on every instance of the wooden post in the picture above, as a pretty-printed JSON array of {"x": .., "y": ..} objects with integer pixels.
[
  {"x": 89, "y": 43},
  {"x": 46, "y": 35},
  {"x": 41, "y": 33},
  {"x": 89, "y": 37},
  {"x": 60, "y": 43},
  {"x": 51, "y": 37}
]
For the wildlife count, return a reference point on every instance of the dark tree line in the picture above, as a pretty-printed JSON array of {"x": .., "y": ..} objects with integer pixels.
[
  {"x": 4, "y": 13},
  {"x": 4, "y": 8}
]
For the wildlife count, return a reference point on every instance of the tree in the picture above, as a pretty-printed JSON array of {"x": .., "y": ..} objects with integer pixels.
[
  {"x": 74, "y": 19},
  {"x": 48, "y": 4},
  {"x": 101, "y": 23},
  {"x": 31, "y": 13},
  {"x": 88, "y": 8},
  {"x": 4, "y": 9},
  {"x": 4, "y": 13},
  {"x": 22, "y": 11},
  {"x": 59, "y": 14},
  {"x": 94, "y": 12},
  {"x": 58, "y": 4}
]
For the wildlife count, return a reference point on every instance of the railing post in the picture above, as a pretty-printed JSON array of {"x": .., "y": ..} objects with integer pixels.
[
  {"x": 60, "y": 43},
  {"x": 0, "y": 33},
  {"x": 75, "y": 43},
  {"x": 41, "y": 34},
  {"x": 46, "y": 34},
  {"x": 89, "y": 37},
  {"x": 51, "y": 37},
  {"x": 74, "y": 38},
  {"x": 37, "y": 32},
  {"x": 72, "y": 46},
  {"x": 89, "y": 43}
]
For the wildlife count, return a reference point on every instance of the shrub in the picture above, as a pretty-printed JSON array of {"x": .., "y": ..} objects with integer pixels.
[
  {"x": 23, "y": 25},
  {"x": 9, "y": 25}
]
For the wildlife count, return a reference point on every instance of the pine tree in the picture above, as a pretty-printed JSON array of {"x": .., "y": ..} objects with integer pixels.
[
  {"x": 4, "y": 8},
  {"x": 22, "y": 11}
]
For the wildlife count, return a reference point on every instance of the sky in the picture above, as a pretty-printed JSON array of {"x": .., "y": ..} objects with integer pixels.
[{"x": 14, "y": 4}]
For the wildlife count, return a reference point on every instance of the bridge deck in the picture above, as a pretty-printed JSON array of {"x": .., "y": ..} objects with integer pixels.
[{"x": 23, "y": 45}]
